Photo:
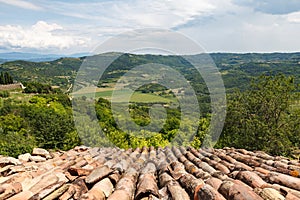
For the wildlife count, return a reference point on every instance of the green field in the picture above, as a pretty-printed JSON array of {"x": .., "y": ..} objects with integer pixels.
[
  {"x": 17, "y": 96},
  {"x": 23, "y": 97},
  {"x": 137, "y": 97},
  {"x": 144, "y": 98}
]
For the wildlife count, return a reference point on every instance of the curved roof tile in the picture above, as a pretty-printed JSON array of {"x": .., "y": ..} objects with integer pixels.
[{"x": 149, "y": 173}]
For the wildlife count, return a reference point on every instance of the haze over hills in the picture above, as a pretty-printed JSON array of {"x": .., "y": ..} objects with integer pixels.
[{"x": 35, "y": 57}]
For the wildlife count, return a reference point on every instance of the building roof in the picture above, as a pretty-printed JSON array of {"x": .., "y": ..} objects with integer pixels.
[
  {"x": 149, "y": 173},
  {"x": 12, "y": 86}
]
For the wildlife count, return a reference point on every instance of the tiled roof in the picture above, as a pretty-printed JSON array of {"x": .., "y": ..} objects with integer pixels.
[
  {"x": 148, "y": 173},
  {"x": 12, "y": 86}
]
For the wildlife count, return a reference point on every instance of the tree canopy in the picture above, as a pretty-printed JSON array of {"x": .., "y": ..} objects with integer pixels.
[{"x": 261, "y": 118}]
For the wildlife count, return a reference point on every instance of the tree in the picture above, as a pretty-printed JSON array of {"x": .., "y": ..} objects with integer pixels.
[
  {"x": 12, "y": 123},
  {"x": 202, "y": 132},
  {"x": 51, "y": 123},
  {"x": 261, "y": 118},
  {"x": 14, "y": 136},
  {"x": 6, "y": 78}
]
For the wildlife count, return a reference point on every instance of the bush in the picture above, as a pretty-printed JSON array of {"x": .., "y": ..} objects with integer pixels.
[
  {"x": 16, "y": 143},
  {"x": 4, "y": 94},
  {"x": 35, "y": 87}
]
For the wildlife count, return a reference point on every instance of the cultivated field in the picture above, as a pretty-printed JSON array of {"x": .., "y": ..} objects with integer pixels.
[{"x": 136, "y": 97}]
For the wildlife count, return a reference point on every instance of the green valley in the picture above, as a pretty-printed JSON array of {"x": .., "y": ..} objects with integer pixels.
[{"x": 263, "y": 112}]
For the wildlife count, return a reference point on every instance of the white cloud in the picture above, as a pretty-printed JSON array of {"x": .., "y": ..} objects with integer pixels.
[
  {"x": 103, "y": 19},
  {"x": 136, "y": 13},
  {"x": 41, "y": 35},
  {"x": 218, "y": 25},
  {"x": 294, "y": 17},
  {"x": 241, "y": 29},
  {"x": 166, "y": 14},
  {"x": 21, "y": 4}
]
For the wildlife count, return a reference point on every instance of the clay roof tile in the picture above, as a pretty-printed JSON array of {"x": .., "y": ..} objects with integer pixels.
[{"x": 149, "y": 173}]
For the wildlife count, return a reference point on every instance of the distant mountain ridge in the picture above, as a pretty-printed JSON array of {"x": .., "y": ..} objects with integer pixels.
[
  {"x": 237, "y": 69},
  {"x": 35, "y": 57}
]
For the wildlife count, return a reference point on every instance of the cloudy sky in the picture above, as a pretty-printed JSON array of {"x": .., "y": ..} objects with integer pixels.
[{"x": 74, "y": 26}]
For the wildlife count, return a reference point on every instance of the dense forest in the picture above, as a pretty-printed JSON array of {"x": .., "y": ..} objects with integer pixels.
[
  {"x": 6, "y": 78},
  {"x": 263, "y": 111}
]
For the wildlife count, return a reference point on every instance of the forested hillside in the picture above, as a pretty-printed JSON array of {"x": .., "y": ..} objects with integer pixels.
[
  {"x": 237, "y": 69},
  {"x": 60, "y": 72}
]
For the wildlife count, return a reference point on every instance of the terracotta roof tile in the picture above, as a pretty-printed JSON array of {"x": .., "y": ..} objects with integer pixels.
[{"x": 149, "y": 173}]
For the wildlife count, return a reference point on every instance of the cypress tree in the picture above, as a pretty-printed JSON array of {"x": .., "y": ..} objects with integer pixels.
[
  {"x": 6, "y": 78},
  {"x": 1, "y": 78},
  {"x": 10, "y": 79}
]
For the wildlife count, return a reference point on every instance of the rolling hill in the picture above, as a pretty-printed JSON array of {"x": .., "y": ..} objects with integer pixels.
[{"x": 236, "y": 69}]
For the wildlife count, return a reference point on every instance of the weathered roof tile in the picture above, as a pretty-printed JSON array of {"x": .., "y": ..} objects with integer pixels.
[
  {"x": 4, "y": 161},
  {"x": 41, "y": 152},
  {"x": 24, "y": 157},
  {"x": 9, "y": 190},
  {"x": 149, "y": 173},
  {"x": 207, "y": 192},
  {"x": 271, "y": 194},
  {"x": 98, "y": 174}
]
